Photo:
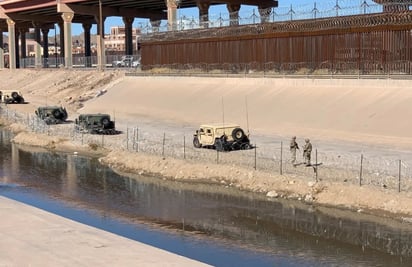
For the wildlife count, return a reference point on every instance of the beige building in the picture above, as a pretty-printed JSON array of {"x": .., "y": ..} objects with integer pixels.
[{"x": 115, "y": 41}]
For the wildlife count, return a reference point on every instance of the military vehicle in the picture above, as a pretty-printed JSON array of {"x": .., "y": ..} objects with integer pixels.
[
  {"x": 222, "y": 137},
  {"x": 52, "y": 114},
  {"x": 11, "y": 97},
  {"x": 95, "y": 124}
]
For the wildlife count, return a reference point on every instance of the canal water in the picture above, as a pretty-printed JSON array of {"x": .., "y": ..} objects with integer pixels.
[{"x": 212, "y": 224}]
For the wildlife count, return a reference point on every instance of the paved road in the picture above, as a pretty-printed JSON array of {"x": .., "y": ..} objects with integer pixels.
[{"x": 33, "y": 237}]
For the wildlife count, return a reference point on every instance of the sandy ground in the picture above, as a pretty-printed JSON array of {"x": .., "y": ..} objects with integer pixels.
[{"x": 371, "y": 114}]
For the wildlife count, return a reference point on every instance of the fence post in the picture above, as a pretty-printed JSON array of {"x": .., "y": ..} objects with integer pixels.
[
  {"x": 281, "y": 158},
  {"x": 255, "y": 157},
  {"x": 316, "y": 164},
  {"x": 163, "y": 147},
  {"x": 127, "y": 138},
  {"x": 137, "y": 139},
  {"x": 134, "y": 139},
  {"x": 399, "y": 179},
  {"x": 360, "y": 173},
  {"x": 184, "y": 147}
]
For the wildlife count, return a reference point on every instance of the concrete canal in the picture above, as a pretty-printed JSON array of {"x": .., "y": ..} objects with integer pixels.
[{"x": 212, "y": 224}]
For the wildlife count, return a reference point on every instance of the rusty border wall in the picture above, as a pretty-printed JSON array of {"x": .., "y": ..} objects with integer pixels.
[{"x": 366, "y": 44}]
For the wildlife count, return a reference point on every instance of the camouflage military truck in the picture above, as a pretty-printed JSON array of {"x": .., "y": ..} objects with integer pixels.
[
  {"x": 52, "y": 114},
  {"x": 95, "y": 124},
  {"x": 11, "y": 97},
  {"x": 222, "y": 137}
]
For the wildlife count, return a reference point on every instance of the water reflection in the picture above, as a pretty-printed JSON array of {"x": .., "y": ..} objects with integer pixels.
[{"x": 277, "y": 229}]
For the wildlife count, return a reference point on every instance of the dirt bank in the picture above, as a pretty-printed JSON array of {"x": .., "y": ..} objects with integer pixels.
[{"x": 333, "y": 110}]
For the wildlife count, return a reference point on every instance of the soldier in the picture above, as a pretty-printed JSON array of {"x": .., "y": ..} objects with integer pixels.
[
  {"x": 293, "y": 146},
  {"x": 307, "y": 151}
]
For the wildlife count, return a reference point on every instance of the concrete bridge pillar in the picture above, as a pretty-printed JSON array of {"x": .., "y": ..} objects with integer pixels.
[
  {"x": 128, "y": 23},
  {"x": 172, "y": 14},
  {"x": 87, "y": 44},
  {"x": 68, "y": 53},
  {"x": 11, "y": 24},
  {"x": 17, "y": 43},
  {"x": 61, "y": 37},
  {"x": 37, "y": 48},
  {"x": 45, "y": 33},
  {"x": 101, "y": 52},
  {"x": 233, "y": 13},
  {"x": 23, "y": 46},
  {"x": 203, "y": 14}
]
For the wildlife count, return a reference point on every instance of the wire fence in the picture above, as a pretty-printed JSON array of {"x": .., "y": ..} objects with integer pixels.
[
  {"x": 297, "y": 11},
  {"x": 357, "y": 169},
  {"x": 353, "y": 69},
  {"x": 325, "y": 69},
  {"x": 294, "y": 12}
]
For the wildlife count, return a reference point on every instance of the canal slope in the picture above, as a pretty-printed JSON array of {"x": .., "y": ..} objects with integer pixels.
[
  {"x": 33, "y": 237},
  {"x": 335, "y": 111}
]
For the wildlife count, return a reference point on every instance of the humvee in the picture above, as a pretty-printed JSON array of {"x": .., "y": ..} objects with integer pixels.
[
  {"x": 11, "y": 97},
  {"x": 52, "y": 114},
  {"x": 95, "y": 124},
  {"x": 222, "y": 137}
]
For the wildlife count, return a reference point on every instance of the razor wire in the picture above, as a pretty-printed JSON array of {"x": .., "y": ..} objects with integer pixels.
[
  {"x": 345, "y": 168},
  {"x": 331, "y": 10},
  {"x": 327, "y": 69},
  {"x": 389, "y": 19}
]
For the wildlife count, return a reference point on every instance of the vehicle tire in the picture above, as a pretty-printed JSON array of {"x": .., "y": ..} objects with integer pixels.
[
  {"x": 219, "y": 145},
  {"x": 105, "y": 121},
  {"x": 64, "y": 115},
  {"x": 57, "y": 114},
  {"x": 236, "y": 146},
  {"x": 15, "y": 95},
  {"x": 238, "y": 134},
  {"x": 245, "y": 146},
  {"x": 21, "y": 100},
  {"x": 196, "y": 142}
]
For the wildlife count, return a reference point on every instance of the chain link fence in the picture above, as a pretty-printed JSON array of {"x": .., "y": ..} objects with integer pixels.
[
  {"x": 339, "y": 69},
  {"x": 327, "y": 69},
  {"x": 358, "y": 169}
]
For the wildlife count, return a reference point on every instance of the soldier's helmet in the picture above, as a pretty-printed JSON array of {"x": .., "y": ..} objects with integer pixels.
[
  {"x": 293, "y": 137},
  {"x": 307, "y": 140}
]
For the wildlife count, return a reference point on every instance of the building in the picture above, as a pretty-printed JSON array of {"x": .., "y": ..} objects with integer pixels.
[{"x": 115, "y": 41}]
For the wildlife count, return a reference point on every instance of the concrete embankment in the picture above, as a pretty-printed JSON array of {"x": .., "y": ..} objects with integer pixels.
[{"x": 33, "y": 237}]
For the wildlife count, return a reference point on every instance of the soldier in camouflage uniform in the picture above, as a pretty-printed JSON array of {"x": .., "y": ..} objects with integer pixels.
[
  {"x": 307, "y": 151},
  {"x": 293, "y": 146}
]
